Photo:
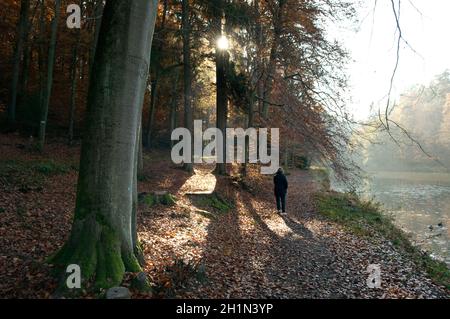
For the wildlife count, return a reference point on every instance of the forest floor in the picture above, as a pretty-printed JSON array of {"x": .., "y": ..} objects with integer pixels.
[{"x": 221, "y": 239}]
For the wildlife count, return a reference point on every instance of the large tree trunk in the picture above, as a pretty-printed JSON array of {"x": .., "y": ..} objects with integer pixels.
[
  {"x": 98, "y": 11},
  {"x": 140, "y": 159},
  {"x": 50, "y": 67},
  {"x": 103, "y": 237},
  {"x": 138, "y": 171},
  {"x": 187, "y": 77},
  {"x": 21, "y": 33}
]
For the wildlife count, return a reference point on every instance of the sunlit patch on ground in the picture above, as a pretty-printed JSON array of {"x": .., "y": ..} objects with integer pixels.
[
  {"x": 201, "y": 182},
  {"x": 279, "y": 227}
]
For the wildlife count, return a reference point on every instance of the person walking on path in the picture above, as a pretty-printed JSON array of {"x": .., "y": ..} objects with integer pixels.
[{"x": 280, "y": 188}]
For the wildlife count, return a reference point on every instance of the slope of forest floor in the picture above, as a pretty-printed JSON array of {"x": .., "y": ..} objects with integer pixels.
[{"x": 222, "y": 238}]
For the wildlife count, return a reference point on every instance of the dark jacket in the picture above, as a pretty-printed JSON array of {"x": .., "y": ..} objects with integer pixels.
[{"x": 281, "y": 184}]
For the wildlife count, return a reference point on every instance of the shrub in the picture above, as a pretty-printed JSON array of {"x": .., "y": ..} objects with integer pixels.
[
  {"x": 163, "y": 198},
  {"x": 50, "y": 168},
  {"x": 216, "y": 201}
]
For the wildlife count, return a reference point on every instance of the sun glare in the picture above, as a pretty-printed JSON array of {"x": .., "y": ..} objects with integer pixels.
[{"x": 222, "y": 43}]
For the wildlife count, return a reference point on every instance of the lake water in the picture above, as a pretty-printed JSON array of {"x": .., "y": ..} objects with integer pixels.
[{"x": 420, "y": 205}]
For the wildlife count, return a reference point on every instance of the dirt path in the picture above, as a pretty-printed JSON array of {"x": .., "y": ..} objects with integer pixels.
[{"x": 256, "y": 253}]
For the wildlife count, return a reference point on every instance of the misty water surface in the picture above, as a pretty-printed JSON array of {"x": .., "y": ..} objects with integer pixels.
[{"x": 419, "y": 203}]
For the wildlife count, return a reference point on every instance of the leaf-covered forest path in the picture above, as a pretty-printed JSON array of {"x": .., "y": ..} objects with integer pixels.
[
  {"x": 228, "y": 244},
  {"x": 253, "y": 252}
]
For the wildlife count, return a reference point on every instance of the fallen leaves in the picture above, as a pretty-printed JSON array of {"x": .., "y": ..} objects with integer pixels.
[{"x": 247, "y": 252}]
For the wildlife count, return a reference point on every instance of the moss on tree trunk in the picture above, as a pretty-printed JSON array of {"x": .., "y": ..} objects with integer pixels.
[{"x": 99, "y": 252}]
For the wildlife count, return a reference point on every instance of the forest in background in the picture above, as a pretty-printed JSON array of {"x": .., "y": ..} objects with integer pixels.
[
  {"x": 424, "y": 111},
  {"x": 282, "y": 71}
]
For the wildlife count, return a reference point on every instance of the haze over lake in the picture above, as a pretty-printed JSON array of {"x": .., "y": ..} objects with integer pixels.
[{"x": 419, "y": 204}]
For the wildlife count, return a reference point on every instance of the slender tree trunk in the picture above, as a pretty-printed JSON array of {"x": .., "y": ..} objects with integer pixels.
[
  {"x": 152, "y": 111},
  {"x": 41, "y": 58},
  {"x": 286, "y": 157},
  {"x": 103, "y": 237},
  {"x": 155, "y": 82},
  {"x": 27, "y": 58},
  {"x": 173, "y": 105},
  {"x": 50, "y": 67},
  {"x": 250, "y": 116},
  {"x": 277, "y": 28},
  {"x": 221, "y": 85},
  {"x": 81, "y": 68},
  {"x": 187, "y": 77},
  {"x": 73, "y": 91},
  {"x": 259, "y": 58},
  {"x": 222, "y": 104},
  {"x": 21, "y": 33},
  {"x": 27, "y": 54}
]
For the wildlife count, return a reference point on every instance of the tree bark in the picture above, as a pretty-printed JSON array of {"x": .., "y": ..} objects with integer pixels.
[
  {"x": 27, "y": 57},
  {"x": 50, "y": 67},
  {"x": 277, "y": 29},
  {"x": 173, "y": 105},
  {"x": 140, "y": 163},
  {"x": 73, "y": 90},
  {"x": 286, "y": 157},
  {"x": 260, "y": 57},
  {"x": 221, "y": 86},
  {"x": 222, "y": 104},
  {"x": 41, "y": 58},
  {"x": 250, "y": 116},
  {"x": 152, "y": 110},
  {"x": 155, "y": 82},
  {"x": 187, "y": 78},
  {"x": 103, "y": 237},
  {"x": 21, "y": 33},
  {"x": 138, "y": 170},
  {"x": 98, "y": 11}
]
